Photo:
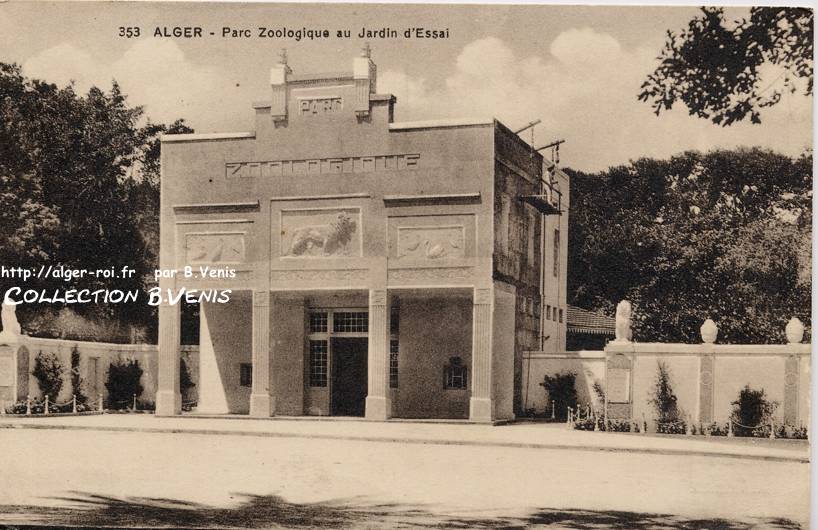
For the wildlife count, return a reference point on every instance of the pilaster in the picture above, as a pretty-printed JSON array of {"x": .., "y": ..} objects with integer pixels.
[
  {"x": 707, "y": 371},
  {"x": 791, "y": 380},
  {"x": 378, "y": 401},
  {"x": 168, "y": 397},
  {"x": 262, "y": 403},
  {"x": 481, "y": 407}
]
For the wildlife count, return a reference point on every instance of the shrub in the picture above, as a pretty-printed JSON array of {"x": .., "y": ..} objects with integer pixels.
[
  {"x": 562, "y": 391},
  {"x": 599, "y": 390},
  {"x": 123, "y": 383},
  {"x": 185, "y": 381},
  {"x": 752, "y": 413},
  {"x": 587, "y": 424},
  {"x": 48, "y": 371},
  {"x": 664, "y": 400},
  {"x": 76, "y": 379},
  {"x": 675, "y": 427}
]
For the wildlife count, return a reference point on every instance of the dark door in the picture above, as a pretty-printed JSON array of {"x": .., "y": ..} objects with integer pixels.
[{"x": 349, "y": 376}]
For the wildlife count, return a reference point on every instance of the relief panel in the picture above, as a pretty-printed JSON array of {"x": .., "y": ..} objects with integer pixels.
[
  {"x": 431, "y": 242},
  {"x": 321, "y": 233},
  {"x": 214, "y": 247}
]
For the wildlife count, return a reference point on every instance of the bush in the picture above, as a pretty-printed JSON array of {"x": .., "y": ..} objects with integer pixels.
[
  {"x": 587, "y": 424},
  {"x": 664, "y": 401},
  {"x": 752, "y": 413},
  {"x": 123, "y": 383},
  {"x": 185, "y": 381},
  {"x": 76, "y": 379},
  {"x": 562, "y": 391},
  {"x": 48, "y": 371},
  {"x": 675, "y": 427}
]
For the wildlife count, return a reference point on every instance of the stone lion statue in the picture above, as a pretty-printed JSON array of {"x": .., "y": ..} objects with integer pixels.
[
  {"x": 8, "y": 317},
  {"x": 623, "y": 321}
]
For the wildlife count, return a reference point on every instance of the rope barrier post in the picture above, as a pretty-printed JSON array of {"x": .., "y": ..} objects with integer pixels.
[
  {"x": 688, "y": 430},
  {"x": 593, "y": 418},
  {"x": 568, "y": 415},
  {"x": 100, "y": 402},
  {"x": 772, "y": 429},
  {"x": 730, "y": 428},
  {"x": 74, "y": 404},
  {"x": 45, "y": 410},
  {"x": 28, "y": 405},
  {"x": 644, "y": 425},
  {"x": 134, "y": 402},
  {"x": 553, "y": 409}
]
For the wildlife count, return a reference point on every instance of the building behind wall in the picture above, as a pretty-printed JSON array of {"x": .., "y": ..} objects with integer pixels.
[{"x": 382, "y": 269}]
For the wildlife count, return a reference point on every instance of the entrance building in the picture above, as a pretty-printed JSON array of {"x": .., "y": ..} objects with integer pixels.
[{"x": 376, "y": 268}]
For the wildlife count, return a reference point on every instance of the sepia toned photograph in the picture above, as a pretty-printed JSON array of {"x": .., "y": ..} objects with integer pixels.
[{"x": 359, "y": 265}]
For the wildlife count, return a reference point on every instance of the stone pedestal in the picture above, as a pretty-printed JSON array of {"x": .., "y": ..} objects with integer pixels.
[{"x": 262, "y": 403}]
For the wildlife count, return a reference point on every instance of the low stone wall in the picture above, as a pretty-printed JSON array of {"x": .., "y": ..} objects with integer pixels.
[
  {"x": 588, "y": 365},
  {"x": 94, "y": 360},
  {"x": 706, "y": 378}
]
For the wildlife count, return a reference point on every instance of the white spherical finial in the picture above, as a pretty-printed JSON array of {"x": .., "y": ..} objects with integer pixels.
[
  {"x": 709, "y": 331},
  {"x": 794, "y": 331}
]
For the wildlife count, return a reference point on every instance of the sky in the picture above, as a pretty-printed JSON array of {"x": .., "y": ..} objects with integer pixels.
[{"x": 577, "y": 68}]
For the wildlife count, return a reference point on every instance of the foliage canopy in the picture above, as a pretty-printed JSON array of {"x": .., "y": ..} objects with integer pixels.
[
  {"x": 715, "y": 66},
  {"x": 724, "y": 235}
]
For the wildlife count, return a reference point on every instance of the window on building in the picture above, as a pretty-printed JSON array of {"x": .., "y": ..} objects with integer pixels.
[
  {"x": 556, "y": 252},
  {"x": 394, "y": 319},
  {"x": 246, "y": 374},
  {"x": 454, "y": 375},
  {"x": 560, "y": 316},
  {"x": 548, "y": 312},
  {"x": 318, "y": 362},
  {"x": 350, "y": 322},
  {"x": 532, "y": 240},
  {"x": 503, "y": 223},
  {"x": 318, "y": 322},
  {"x": 393, "y": 363}
]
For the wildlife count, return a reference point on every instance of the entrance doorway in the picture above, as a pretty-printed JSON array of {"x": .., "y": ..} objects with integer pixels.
[{"x": 349, "y": 376}]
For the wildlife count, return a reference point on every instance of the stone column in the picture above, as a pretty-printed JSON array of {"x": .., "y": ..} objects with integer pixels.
[
  {"x": 168, "y": 397},
  {"x": 378, "y": 400},
  {"x": 481, "y": 407},
  {"x": 262, "y": 403}
]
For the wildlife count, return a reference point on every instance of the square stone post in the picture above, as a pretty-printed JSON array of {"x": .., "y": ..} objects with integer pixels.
[
  {"x": 481, "y": 406},
  {"x": 791, "y": 380},
  {"x": 707, "y": 369},
  {"x": 378, "y": 400},
  {"x": 262, "y": 403},
  {"x": 168, "y": 397}
]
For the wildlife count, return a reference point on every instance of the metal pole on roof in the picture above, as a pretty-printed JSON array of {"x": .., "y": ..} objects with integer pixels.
[
  {"x": 530, "y": 124},
  {"x": 555, "y": 143}
]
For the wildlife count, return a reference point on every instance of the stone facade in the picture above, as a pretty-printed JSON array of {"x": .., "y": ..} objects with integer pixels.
[{"x": 382, "y": 268}]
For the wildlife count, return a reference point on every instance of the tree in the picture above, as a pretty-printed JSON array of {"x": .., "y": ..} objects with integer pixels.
[
  {"x": 78, "y": 188},
  {"x": 714, "y": 66},
  {"x": 722, "y": 235}
]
